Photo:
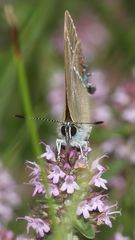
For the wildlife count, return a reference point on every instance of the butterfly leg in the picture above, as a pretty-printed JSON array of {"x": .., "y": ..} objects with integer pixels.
[
  {"x": 58, "y": 146},
  {"x": 82, "y": 145}
]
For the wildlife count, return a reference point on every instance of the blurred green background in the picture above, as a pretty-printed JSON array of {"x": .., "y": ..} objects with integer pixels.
[{"x": 107, "y": 32}]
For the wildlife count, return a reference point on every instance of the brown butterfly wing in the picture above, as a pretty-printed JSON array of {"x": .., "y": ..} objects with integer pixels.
[
  {"x": 80, "y": 98},
  {"x": 69, "y": 48},
  {"x": 77, "y": 99}
]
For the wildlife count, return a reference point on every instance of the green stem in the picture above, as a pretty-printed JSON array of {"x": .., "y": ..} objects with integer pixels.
[{"x": 27, "y": 106}]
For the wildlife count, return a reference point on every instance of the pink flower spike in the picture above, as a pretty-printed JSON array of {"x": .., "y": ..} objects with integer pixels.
[
  {"x": 53, "y": 190},
  {"x": 56, "y": 174},
  {"x": 34, "y": 167},
  {"x": 49, "y": 154},
  {"x": 95, "y": 164},
  {"x": 84, "y": 209},
  {"x": 41, "y": 227},
  {"x": 98, "y": 181},
  {"x": 97, "y": 204},
  {"x": 69, "y": 185}
]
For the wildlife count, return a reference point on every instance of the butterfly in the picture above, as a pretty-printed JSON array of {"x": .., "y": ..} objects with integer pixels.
[{"x": 75, "y": 128}]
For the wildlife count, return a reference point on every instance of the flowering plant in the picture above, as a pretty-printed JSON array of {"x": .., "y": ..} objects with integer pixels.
[{"x": 75, "y": 185}]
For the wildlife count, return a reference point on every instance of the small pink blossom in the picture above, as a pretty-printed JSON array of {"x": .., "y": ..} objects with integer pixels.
[
  {"x": 80, "y": 163},
  {"x": 84, "y": 209},
  {"x": 38, "y": 187},
  {"x": 53, "y": 190},
  {"x": 41, "y": 227},
  {"x": 49, "y": 154},
  {"x": 69, "y": 185},
  {"x": 98, "y": 181},
  {"x": 67, "y": 166},
  {"x": 72, "y": 154},
  {"x": 96, "y": 166},
  {"x": 96, "y": 203},
  {"x": 35, "y": 182},
  {"x": 34, "y": 167},
  {"x": 104, "y": 218},
  {"x": 56, "y": 174}
]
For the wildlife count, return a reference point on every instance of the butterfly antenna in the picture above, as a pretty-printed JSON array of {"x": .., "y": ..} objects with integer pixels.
[
  {"x": 91, "y": 123},
  {"x": 37, "y": 118},
  {"x": 98, "y": 122}
]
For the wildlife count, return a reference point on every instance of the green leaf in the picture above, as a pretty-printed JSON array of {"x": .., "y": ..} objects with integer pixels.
[{"x": 85, "y": 228}]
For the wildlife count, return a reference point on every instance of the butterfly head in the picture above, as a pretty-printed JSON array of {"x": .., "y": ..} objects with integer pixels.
[{"x": 73, "y": 133}]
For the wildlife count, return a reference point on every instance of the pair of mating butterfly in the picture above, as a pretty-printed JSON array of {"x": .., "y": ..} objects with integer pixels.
[{"x": 75, "y": 129}]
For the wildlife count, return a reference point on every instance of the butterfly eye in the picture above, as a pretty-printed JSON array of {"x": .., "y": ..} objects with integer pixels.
[
  {"x": 73, "y": 130},
  {"x": 63, "y": 131}
]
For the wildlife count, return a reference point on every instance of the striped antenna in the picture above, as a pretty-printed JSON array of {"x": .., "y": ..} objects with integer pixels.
[
  {"x": 90, "y": 123},
  {"x": 38, "y": 118}
]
